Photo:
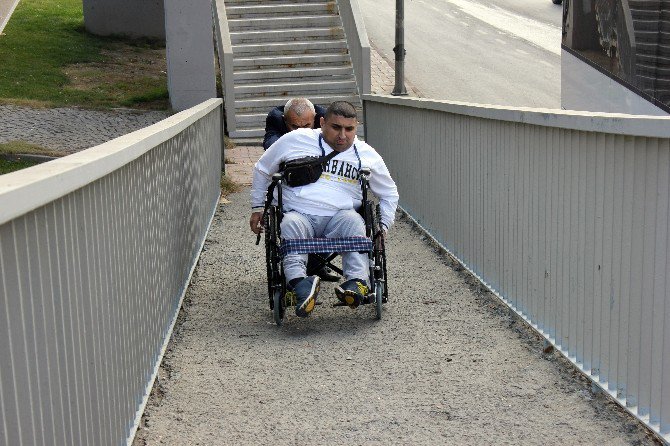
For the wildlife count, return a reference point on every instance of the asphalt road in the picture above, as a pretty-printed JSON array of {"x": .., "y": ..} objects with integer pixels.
[{"x": 504, "y": 52}]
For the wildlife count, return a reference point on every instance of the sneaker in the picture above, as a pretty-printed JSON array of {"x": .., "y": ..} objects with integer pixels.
[
  {"x": 305, "y": 295},
  {"x": 352, "y": 292}
]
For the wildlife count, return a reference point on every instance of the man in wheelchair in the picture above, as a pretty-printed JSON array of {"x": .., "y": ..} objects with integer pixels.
[{"x": 326, "y": 207}]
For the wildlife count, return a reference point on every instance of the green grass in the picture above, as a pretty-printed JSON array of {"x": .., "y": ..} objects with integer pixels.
[
  {"x": 228, "y": 186},
  {"x": 45, "y": 50},
  {"x": 20, "y": 147},
  {"x": 7, "y": 166}
]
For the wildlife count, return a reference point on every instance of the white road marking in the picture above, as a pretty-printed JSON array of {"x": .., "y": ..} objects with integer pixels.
[{"x": 540, "y": 34}]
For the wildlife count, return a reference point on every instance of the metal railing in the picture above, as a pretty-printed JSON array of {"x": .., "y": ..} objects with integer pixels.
[
  {"x": 96, "y": 251},
  {"x": 563, "y": 215},
  {"x": 627, "y": 46},
  {"x": 358, "y": 43}
]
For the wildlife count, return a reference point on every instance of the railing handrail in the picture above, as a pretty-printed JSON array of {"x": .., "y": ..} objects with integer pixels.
[
  {"x": 225, "y": 60},
  {"x": 357, "y": 40},
  {"x": 615, "y": 123},
  {"x": 563, "y": 215},
  {"x": 628, "y": 16},
  {"x": 29, "y": 189}
]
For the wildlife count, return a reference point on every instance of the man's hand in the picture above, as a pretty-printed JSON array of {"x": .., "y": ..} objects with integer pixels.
[
  {"x": 255, "y": 222},
  {"x": 380, "y": 239}
]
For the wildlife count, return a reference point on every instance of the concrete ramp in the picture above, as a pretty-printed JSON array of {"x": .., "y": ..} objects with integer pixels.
[{"x": 445, "y": 365}]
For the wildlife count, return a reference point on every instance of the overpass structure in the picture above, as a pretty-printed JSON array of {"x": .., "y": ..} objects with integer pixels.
[{"x": 563, "y": 215}]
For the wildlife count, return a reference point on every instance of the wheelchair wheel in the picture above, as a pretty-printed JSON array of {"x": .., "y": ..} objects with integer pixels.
[
  {"x": 380, "y": 261},
  {"x": 379, "y": 296},
  {"x": 278, "y": 310},
  {"x": 275, "y": 273}
]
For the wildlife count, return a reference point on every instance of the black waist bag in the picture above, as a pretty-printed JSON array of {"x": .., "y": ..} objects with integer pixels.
[{"x": 306, "y": 170}]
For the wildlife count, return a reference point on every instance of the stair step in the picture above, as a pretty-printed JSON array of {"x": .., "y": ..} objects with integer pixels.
[
  {"x": 287, "y": 35},
  {"x": 312, "y": 47},
  {"x": 289, "y": 74},
  {"x": 257, "y": 133},
  {"x": 264, "y": 105},
  {"x": 653, "y": 49},
  {"x": 307, "y": 21},
  {"x": 652, "y": 37},
  {"x": 654, "y": 82},
  {"x": 645, "y": 14},
  {"x": 251, "y": 119},
  {"x": 309, "y": 60},
  {"x": 284, "y": 49},
  {"x": 652, "y": 71},
  {"x": 662, "y": 95},
  {"x": 282, "y": 10},
  {"x": 250, "y": 133},
  {"x": 651, "y": 25},
  {"x": 295, "y": 88},
  {"x": 640, "y": 4},
  {"x": 653, "y": 61},
  {"x": 659, "y": 94}
]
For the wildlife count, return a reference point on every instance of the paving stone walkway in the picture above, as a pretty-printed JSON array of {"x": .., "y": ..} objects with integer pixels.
[{"x": 69, "y": 130}]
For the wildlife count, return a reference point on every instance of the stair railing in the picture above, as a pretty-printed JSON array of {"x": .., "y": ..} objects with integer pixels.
[
  {"x": 357, "y": 41},
  {"x": 224, "y": 48},
  {"x": 627, "y": 46}
]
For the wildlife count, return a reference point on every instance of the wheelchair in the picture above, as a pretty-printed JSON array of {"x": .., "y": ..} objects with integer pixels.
[{"x": 324, "y": 249}]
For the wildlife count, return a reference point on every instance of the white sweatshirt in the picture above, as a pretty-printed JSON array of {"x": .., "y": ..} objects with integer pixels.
[{"x": 337, "y": 188}]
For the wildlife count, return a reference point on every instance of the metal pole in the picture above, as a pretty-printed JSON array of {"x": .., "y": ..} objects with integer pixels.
[{"x": 399, "y": 49}]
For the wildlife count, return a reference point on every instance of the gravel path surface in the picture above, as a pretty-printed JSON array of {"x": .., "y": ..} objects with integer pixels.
[
  {"x": 70, "y": 130},
  {"x": 446, "y": 365}
]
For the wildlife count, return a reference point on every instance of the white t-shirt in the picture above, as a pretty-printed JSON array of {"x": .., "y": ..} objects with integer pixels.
[{"x": 337, "y": 188}]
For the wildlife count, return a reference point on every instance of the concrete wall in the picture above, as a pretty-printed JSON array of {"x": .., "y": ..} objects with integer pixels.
[
  {"x": 190, "y": 52},
  {"x": 134, "y": 18}
]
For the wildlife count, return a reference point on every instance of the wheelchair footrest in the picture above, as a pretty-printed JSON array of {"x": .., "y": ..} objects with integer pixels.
[{"x": 369, "y": 299}]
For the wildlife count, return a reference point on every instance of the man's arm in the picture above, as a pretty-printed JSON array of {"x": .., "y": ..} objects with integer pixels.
[
  {"x": 267, "y": 165},
  {"x": 275, "y": 127},
  {"x": 383, "y": 186}
]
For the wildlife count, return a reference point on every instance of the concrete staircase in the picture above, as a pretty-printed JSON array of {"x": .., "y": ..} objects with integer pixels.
[
  {"x": 651, "y": 22},
  {"x": 284, "y": 49}
]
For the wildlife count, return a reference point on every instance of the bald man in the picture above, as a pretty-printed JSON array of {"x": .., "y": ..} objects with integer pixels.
[{"x": 298, "y": 113}]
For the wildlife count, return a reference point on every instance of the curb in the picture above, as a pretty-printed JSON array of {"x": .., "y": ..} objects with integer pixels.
[{"x": 27, "y": 157}]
